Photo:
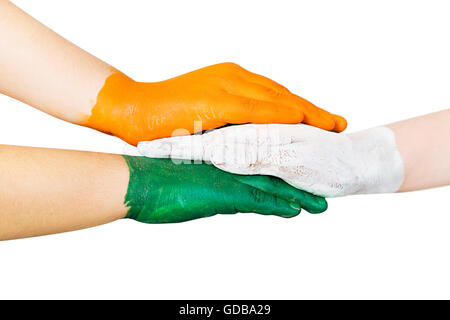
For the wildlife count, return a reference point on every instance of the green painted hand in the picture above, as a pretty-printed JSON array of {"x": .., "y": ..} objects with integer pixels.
[{"x": 161, "y": 191}]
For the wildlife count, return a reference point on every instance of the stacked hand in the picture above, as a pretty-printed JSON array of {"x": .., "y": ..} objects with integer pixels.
[
  {"x": 203, "y": 99},
  {"x": 321, "y": 162},
  {"x": 161, "y": 191}
]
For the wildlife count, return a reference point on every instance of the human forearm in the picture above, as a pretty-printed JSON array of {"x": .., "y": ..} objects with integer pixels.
[
  {"x": 46, "y": 71},
  {"x": 424, "y": 143},
  {"x": 45, "y": 191},
  {"x": 408, "y": 155}
]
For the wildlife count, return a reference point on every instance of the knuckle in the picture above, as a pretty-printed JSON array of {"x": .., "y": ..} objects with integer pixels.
[
  {"x": 258, "y": 195},
  {"x": 250, "y": 104},
  {"x": 273, "y": 93},
  {"x": 230, "y": 66}
]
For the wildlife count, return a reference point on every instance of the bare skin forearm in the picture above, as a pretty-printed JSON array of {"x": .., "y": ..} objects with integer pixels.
[
  {"x": 44, "y": 191},
  {"x": 44, "y": 70},
  {"x": 424, "y": 143}
]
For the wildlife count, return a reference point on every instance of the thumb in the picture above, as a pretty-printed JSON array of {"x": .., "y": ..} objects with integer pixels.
[
  {"x": 130, "y": 150},
  {"x": 182, "y": 147}
]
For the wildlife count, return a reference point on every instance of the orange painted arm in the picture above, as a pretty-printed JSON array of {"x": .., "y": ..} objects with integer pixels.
[{"x": 41, "y": 68}]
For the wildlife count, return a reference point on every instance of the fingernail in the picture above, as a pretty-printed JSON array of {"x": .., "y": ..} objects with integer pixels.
[
  {"x": 295, "y": 205},
  {"x": 294, "y": 211}
]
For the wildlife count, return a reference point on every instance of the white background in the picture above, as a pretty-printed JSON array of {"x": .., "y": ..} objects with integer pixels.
[{"x": 372, "y": 61}]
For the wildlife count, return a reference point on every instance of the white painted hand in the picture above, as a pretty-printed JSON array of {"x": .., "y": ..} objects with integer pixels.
[{"x": 315, "y": 160}]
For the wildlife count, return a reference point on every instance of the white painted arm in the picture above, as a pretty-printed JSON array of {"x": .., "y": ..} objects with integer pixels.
[{"x": 378, "y": 160}]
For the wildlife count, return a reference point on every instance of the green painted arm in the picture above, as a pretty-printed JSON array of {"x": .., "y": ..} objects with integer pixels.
[{"x": 161, "y": 191}]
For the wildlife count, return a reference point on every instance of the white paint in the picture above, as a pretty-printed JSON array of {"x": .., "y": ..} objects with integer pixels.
[
  {"x": 335, "y": 53},
  {"x": 318, "y": 161},
  {"x": 130, "y": 150}
]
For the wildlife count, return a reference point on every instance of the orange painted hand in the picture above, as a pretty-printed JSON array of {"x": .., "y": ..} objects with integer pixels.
[{"x": 203, "y": 99}]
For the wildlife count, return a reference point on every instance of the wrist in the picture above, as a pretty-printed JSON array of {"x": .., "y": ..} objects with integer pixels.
[
  {"x": 377, "y": 162},
  {"x": 111, "y": 113}
]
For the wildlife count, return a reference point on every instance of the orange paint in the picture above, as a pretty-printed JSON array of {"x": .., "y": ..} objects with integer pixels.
[
  {"x": 215, "y": 95},
  {"x": 341, "y": 123}
]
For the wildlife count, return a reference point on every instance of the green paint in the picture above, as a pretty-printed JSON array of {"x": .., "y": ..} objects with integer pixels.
[{"x": 161, "y": 191}]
